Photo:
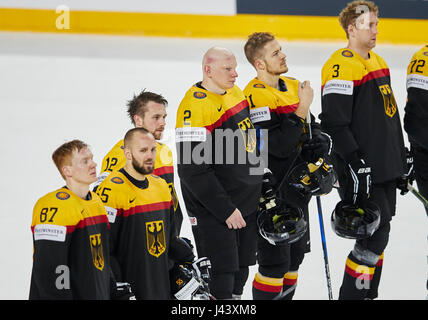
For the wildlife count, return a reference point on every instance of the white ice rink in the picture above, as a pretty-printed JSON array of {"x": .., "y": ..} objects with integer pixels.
[{"x": 54, "y": 88}]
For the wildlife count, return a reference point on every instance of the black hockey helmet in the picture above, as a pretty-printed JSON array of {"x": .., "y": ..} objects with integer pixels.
[
  {"x": 281, "y": 224},
  {"x": 353, "y": 222},
  {"x": 313, "y": 178}
]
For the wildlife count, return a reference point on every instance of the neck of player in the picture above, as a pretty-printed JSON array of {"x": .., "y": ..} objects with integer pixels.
[
  {"x": 79, "y": 189},
  {"x": 212, "y": 87},
  {"x": 271, "y": 80},
  {"x": 133, "y": 173},
  {"x": 363, "y": 51}
]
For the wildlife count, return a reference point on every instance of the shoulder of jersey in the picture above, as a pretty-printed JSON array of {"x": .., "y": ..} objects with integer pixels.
[
  {"x": 197, "y": 94},
  {"x": 254, "y": 85},
  {"x": 114, "y": 179},
  {"x": 290, "y": 81},
  {"x": 65, "y": 204},
  {"x": 423, "y": 53},
  {"x": 341, "y": 60},
  {"x": 118, "y": 147}
]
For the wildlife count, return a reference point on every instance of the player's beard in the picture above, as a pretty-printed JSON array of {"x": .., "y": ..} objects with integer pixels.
[
  {"x": 276, "y": 71},
  {"x": 142, "y": 169}
]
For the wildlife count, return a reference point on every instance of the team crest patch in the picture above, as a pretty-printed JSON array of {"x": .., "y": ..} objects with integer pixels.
[
  {"x": 117, "y": 180},
  {"x": 390, "y": 104},
  {"x": 347, "y": 54},
  {"x": 155, "y": 232},
  {"x": 259, "y": 85},
  {"x": 199, "y": 95},
  {"x": 62, "y": 195},
  {"x": 249, "y": 134},
  {"x": 97, "y": 251}
]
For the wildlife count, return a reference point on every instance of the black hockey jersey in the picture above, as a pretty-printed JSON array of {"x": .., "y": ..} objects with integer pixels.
[
  {"x": 71, "y": 247},
  {"x": 141, "y": 216},
  {"x": 416, "y": 110},
  {"x": 273, "y": 109},
  {"x": 217, "y": 150},
  {"x": 360, "y": 113}
]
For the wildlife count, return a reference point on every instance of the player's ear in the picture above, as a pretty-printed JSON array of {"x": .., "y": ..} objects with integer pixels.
[
  {"x": 351, "y": 30},
  {"x": 138, "y": 120},
  {"x": 207, "y": 70},
  {"x": 259, "y": 64},
  {"x": 127, "y": 153},
  {"x": 66, "y": 171}
]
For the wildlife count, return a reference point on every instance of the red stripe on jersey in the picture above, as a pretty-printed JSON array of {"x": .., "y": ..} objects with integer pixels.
[
  {"x": 266, "y": 287},
  {"x": 372, "y": 75},
  {"x": 163, "y": 170},
  {"x": 228, "y": 114},
  {"x": 290, "y": 281},
  {"x": 354, "y": 274},
  {"x": 89, "y": 221},
  {"x": 287, "y": 109},
  {"x": 157, "y": 206}
]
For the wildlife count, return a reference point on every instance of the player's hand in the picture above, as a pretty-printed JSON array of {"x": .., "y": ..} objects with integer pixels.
[
  {"x": 409, "y": 175},
  {"x": 359, "y": 186},
  {"x": 123, "y": 292},
  {"x": 306, "y": 95},
  {"x": 235, "y": 220}
]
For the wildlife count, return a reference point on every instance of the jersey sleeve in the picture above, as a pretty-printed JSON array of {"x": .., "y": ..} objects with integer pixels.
[
  {"x": 416, "y": 110},
  {"x": 337, "y": 106},
  {"x": 195, "y": 158},
  {"x": 50, "y": 277}
]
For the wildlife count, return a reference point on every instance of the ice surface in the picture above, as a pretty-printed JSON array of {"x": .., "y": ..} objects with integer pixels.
[{"x": 54, "y": 88}]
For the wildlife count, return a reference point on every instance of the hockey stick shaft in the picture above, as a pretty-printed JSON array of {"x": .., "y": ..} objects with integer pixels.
[
  {"x": 321, "y": 223},
  {"x": 324, "y": 248},
  {"x": 418, "y": 195}
]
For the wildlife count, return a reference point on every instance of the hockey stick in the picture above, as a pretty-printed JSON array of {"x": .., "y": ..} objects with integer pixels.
[
  {"x": 418, "y": 195},
  {"x": 322, "y": 230}
]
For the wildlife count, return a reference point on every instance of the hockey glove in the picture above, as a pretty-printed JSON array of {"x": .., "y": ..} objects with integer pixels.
[
  {"x": 317, "y": 147},
  {"x": 267, "y": 195},
  {"x": 123, "y": 292},
  {"x": 202, "y": 267},
  {"x": 181, "y": 250},
  {"x": 409, "y": 176},
  {"x": 358, "y": 190}
]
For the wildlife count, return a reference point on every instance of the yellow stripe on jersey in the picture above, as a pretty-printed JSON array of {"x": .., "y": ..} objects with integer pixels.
[
  {"x": 346, "y": 69},
  {"x": 260, "y": 96},
  {"x": 204, "y": 109},
  {"x": 417, "y": 70},
  {"x": 63, "y": 208},
  {"x": 121, "y": 196}
]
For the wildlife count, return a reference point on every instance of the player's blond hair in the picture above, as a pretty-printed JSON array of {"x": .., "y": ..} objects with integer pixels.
[
  {"x": 254, "y": 46},
  {"x": 63, "y": 154},
  {"x": 353, "y": 10}
]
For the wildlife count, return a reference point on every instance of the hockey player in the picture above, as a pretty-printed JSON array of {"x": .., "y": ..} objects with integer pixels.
[
  {"x": 280, "y": 104},
  {"x": 219, "y": 189},
  {"x": 70, "y": 233},
  {"x": 416, "y": 115},
  {"x": 360, "y": 114},
  {"x": 147, "y": 110},
  {"x": 141, "y": 215}
]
